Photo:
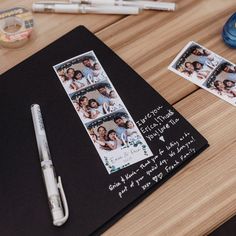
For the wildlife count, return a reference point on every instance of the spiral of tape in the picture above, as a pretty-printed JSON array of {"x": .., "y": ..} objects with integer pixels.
[{"x": 16, "y": 26}]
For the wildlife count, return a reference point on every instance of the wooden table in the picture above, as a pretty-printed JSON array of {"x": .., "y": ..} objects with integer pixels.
[{"x": 202, "y": 195}]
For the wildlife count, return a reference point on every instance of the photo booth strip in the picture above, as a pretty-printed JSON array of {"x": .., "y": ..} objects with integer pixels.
[
  {"x": 214, "y": 81},
  {"x": 129, "y": 146}
]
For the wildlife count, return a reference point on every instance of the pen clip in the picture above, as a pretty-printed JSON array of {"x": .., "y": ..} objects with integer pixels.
[{"x": 64, "y": 202}]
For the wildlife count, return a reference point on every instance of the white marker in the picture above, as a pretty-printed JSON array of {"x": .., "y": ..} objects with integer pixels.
[
  {"x": 52, "y": 187},
  {"x": 77, "y": 8},
  {"x": 164, "y": 6}
]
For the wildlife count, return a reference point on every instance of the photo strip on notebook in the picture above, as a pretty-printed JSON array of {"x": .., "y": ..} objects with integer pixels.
[{"x": 105, "y": 117}]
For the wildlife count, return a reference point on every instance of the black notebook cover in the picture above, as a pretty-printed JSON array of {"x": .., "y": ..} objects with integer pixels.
[{"x": 97, "y": 196}]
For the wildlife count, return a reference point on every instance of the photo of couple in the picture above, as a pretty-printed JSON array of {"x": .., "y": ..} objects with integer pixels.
[
  {"x": 122, "y": 132},
  {"x": 96, "y": 101},
  {"x": 80, "y": 72},
  {"x": 207, "y": 70},
  {"x": 223, "y": 81},
  {"x": 108, "y": 123},
  {"x": 118, "y": 140},
  {"x": 196, "y": 63}
]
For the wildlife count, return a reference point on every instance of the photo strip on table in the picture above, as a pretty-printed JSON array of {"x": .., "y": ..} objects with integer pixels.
[
  {"x": 80, "y": 72},
  {"x": 207, "y": 70},
  {"x": 110, "y": 127},
  {"x": 118, "y": 140},
  {"x": 222, "y": 82},
  {"x": 96, "y": 101},
  {"x": 195, "y": 63}
]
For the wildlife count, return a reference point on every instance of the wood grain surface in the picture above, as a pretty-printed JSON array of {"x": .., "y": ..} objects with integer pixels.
[
  {"x": 48, "y": 28},
  {"x": 202, "y": 195}
]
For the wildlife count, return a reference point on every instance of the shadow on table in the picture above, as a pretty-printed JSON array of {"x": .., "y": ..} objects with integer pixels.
[{"x": 227, "y": 229}]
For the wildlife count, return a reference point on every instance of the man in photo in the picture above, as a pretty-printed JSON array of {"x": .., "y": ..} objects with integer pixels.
[
  {"x": 88, "y": 67},
  {"x": 204, "y": 56},
  {"x": 121, "y": 127},
  {"x": 104, "y": 96}
]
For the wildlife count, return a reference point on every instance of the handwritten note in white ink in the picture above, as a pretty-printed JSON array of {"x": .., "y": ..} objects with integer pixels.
[
  {"x": 154, "y": 125},
  {"x": 172, "y": 150}
]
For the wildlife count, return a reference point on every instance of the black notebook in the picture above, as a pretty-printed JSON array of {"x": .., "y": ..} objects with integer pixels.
[{"x": 112, "y": 137}]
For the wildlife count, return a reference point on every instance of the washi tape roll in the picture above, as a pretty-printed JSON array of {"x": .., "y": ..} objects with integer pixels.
[{"x": 16, "y": 26}]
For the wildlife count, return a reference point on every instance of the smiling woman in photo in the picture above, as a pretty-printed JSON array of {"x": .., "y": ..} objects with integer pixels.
[{"x": 83, "y": 104}]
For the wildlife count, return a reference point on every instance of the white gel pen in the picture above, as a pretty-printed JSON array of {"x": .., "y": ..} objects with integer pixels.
[
  {"x": 163, "y": 6},
  {"x": 77, "y": 8},
  {"x": 54, "y": 189}
]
